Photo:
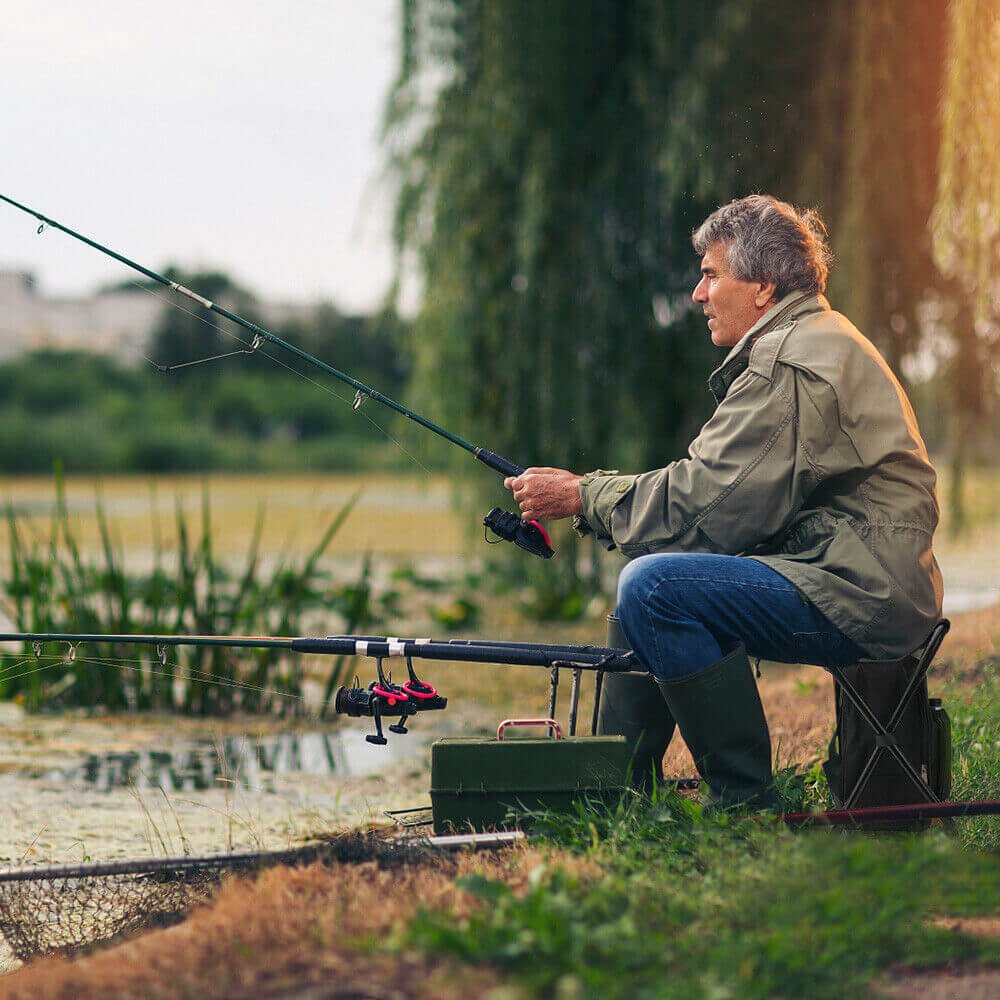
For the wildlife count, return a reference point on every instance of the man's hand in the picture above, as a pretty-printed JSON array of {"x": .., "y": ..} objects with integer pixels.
[{"x": 546, "y": 494}]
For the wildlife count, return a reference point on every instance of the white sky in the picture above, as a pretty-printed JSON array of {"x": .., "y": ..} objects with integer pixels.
[{"x": 224, "y": 133}]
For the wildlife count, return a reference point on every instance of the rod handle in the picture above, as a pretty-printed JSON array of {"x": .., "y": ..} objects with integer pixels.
[{"x": 497, "y": 462}]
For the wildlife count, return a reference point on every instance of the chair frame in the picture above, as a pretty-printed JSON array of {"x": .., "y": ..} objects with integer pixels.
[{"x": 885, "y": 740}]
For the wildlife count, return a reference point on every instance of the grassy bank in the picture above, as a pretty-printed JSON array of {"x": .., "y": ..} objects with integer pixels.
[
  {"x": 654, "y": 900},
  {"x": 396, "y": 516}
]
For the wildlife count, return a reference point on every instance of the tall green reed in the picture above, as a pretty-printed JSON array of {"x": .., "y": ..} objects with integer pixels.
[{"x": 52, "y": 586}]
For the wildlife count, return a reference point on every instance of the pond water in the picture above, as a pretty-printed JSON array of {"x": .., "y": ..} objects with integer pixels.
[{"x": 235, "y": 760}]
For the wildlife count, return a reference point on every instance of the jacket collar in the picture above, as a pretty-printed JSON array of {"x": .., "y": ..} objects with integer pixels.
[{"x": 792, "y": 306}]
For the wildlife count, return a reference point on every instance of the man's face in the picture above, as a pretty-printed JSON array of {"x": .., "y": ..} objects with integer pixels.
[{"x": 731, "y": 304}]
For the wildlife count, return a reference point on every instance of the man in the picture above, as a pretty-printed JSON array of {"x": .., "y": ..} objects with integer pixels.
[{"x": 798, "y": 529}]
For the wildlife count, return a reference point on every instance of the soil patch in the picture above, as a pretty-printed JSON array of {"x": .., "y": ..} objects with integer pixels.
[
  {"x": 984, "y": 927},
  {"x": 963, "y": 983}
]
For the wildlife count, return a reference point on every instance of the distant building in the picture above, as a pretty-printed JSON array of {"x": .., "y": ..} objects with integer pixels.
[
  {"x": 114, "y": 322},
  {"x": 119, "y": 322}
]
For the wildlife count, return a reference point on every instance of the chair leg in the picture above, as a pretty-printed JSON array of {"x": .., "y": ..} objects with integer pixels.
[
  {"x": 885, "y": 741},
  {"x": 900, "y": 758}
]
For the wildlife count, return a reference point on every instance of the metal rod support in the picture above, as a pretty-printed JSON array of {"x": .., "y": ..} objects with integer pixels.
[
  {"x": 574, "y": 700},
  {"x": 553, "y": 690},
  {"x": 598, "y": 685}
]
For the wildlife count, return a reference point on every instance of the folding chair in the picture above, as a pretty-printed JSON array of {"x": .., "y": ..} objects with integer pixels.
[{"x": 886, "y": 742}]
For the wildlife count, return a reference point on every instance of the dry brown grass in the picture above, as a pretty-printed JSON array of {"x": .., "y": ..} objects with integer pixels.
[
  {"x": 289, "y": 928},
  {"x": 396, "y": 515},
  {"x": 968, "y": 982},
  {"x": 304, "y": 932},
  {"x": 973, "y": 644}
]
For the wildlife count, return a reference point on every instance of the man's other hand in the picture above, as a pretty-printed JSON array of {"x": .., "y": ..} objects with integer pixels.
[{"x": 546, "y": 494}]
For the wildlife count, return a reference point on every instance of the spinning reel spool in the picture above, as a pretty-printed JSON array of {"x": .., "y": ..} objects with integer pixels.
[{"x": 382, "y": 698}]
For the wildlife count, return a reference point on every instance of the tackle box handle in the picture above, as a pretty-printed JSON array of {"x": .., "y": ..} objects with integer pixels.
[{"x": 551, "y": 723}]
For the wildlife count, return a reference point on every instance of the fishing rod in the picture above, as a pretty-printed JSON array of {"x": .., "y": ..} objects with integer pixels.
[
  {"x": 528, "y": 535},
  {"x": 525, "y": 654},
  {"x": 382, "y": 698}
]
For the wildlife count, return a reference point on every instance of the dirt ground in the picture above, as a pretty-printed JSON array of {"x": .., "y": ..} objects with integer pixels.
[{"x": 963, "y": 983}]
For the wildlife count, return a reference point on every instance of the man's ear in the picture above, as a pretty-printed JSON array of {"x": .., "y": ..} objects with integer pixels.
[{"x": 765, "y": 296}]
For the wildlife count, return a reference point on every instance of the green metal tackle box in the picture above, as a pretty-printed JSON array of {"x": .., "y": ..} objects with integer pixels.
[{"x": 476, "y": 782}]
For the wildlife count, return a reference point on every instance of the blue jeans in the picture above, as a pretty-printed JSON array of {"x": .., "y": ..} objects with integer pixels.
[{"x": 683, "y": 611}]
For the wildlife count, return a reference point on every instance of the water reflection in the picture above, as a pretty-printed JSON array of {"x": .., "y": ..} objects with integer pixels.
[{"x": 236, "y": 760}]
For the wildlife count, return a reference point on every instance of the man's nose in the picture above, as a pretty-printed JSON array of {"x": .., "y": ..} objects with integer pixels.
[{"x": 698, "y": 295}]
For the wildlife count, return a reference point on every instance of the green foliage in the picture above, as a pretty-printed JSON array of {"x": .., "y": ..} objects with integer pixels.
[
  {"x": 554, "y": 595},
  {"x": 967, "y": 218},
  {"x": 689, "y": 903},
  {"x": 261, "y": 411},
  {"x": 54, "y": 588},
  {"x": 90, "y": 414},
  {"x": 552, "y": 159},
  {"x": 976, "y": 754},
  {"x": 966, "y": 230},
  {"x": 456, "y": 613},
  {"x": 680, "y": 901},
  {"x": 549, "y": 240}
]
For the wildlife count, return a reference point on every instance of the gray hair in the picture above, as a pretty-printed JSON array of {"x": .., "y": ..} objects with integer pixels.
[{"x": 769, "y": 240}]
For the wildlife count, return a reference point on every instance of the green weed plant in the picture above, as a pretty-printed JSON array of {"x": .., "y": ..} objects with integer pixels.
[{"x": 53, "y": 587}]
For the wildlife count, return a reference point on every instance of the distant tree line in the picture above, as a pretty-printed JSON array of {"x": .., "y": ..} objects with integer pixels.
[{"x": 93, "y": 414}]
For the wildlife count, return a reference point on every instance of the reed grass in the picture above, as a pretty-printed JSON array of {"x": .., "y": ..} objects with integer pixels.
[{"x": 52, "y": 586}]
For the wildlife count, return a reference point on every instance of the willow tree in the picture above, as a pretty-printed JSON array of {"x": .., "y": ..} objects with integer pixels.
[
  {"x": 553, "y": 157},
  {"x": 832, "y": 105},
  {"x": 532, "y": 149},
  {"x": 881, "y": 209},
  {"x": 967, "y": 218},
  {"x": 531, "y": 194}
]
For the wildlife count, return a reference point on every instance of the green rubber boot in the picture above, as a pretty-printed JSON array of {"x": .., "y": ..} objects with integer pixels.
[
  {"x": 631, "y": 706},
  {"x": 719, "y": 714}
]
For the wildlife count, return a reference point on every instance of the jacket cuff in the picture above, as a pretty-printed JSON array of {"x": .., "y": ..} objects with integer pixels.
[
  {"x": 583, "y": 528},
  {"x": 600, "y": 493}
]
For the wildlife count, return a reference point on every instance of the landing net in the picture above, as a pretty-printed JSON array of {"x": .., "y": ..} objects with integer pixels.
[{"x": 70, "y": 909}]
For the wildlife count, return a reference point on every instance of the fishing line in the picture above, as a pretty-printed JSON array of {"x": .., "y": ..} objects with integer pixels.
[
  {"x": 140, "y": 666},
  {"x": 5, "y": 673},
  {"x": 36, "y": 669},
  {"x": 528, "y": 535},
  {"x": 250, "y": 349},
  {"x": 343, "y": 399}
]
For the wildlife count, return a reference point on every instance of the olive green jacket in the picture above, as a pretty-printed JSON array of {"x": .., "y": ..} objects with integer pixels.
[{"x": 813, "y": 464}]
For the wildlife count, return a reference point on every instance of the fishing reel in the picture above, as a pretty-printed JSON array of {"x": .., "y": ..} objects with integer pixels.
[
  {"x": 528, "y": 535},
  {"x": 383, "y": 699}
]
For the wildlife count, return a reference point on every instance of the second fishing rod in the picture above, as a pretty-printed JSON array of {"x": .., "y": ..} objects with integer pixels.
[{"x": 528, "y": 535}]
